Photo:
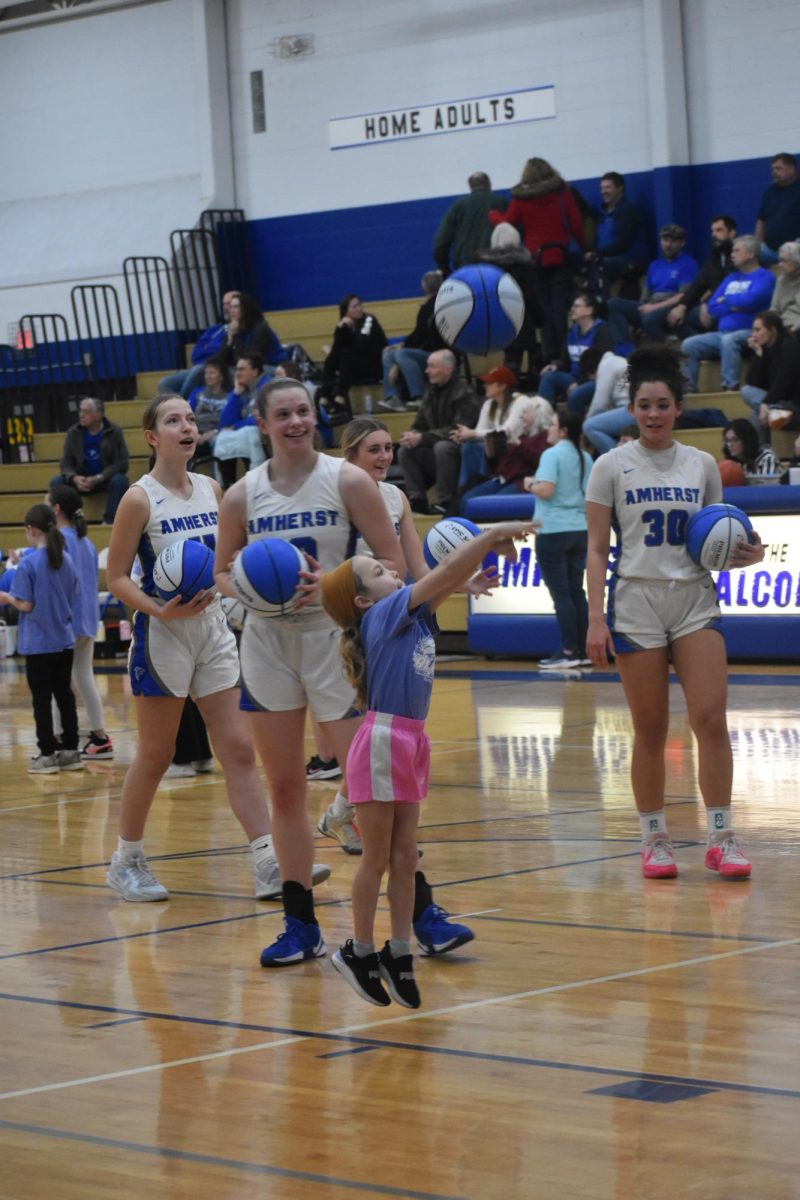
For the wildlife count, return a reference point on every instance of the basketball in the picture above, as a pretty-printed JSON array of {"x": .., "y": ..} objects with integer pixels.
[
  {"x": 731, "y": 473},
  {"x": 479, "y": 309},
  {"x": 445, "y": 536},
  {"x": 234, "y": 612},
  {"x": 713, "y": 533},
  {"x": 183, "y": 569},
  {"x": 266, "y": 575}
]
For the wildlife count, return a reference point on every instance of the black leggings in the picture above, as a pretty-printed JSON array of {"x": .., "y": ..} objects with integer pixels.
[{"x": 50, "y": 675}]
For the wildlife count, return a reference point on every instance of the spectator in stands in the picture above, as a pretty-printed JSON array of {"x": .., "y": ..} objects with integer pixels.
[
  {"x": 427, "y": 453},
  {"x": 290, "y": 370},
  {"x": 690, "y": 315},
  {"x": 404, "y": 362},
  {"x": 544, "y": 210},
  {"x": 778, "y": 218},
  {"x": 786, "y": 301},
  {"x": 773, "y": 377},
  {"x": 619, "y": 247},
  {"x": 608, "y": 413},
  {"x": 733, "y": 306},
  {"x": 354, "y": 357},
  {"x": 587, "y": 329},
  {"x": 247, "y": 332},
  {"x": 741, "y": 445},
  {"x": 463, "y": 230},
  {"x": 518, "y": 456},
  {"x": 208, "y": 403},
  {"x": 239, "y": 435},
  {"x": 210, "y": 343},
  {"x": 667, "y": 278},
  {"x": 506, "y": 252},
  {"x": 95, "y": 457},
  {"x": 504, "y": 411}
]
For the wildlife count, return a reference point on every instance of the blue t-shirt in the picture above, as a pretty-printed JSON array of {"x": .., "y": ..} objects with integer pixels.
[
  {"x": 92, "y": 463},
  {"x": 780, "y": 212},
  {"x": 86, "y": 611},
  {"x": 670, "y": 277},
  {"x": 740, "y": 297},
  {"x": 48, "y": 627},
  {"x": 400, "y": 654},
  {"x": 578, "y": 341},
  {"x": 565, "y": 511}
]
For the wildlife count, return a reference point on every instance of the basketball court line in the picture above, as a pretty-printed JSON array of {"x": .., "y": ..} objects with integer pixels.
[{"x": 448, "y": 1011}]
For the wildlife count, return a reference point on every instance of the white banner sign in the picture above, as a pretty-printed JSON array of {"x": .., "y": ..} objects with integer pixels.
[
  {"x": 770, "y": 589},
  {"x": 451, "y": 116}
]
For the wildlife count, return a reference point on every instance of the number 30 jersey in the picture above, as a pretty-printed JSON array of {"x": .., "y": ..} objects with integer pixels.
[{"x": 653, "y": 494}]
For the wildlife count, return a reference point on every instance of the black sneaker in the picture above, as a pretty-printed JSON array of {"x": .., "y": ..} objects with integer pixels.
[
  {"x": 398, "y": 975},
  {"x": 322, "y": 768},
  {"x": 362, "y": 974}
]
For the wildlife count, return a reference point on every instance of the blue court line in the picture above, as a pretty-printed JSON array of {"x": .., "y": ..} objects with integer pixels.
[
  {"x": 353, "y": 1039},
  {"x": 121, "y": 1021},
  {"x": 525, "y": 675},
  {"x": 673, "y": 933},
  {"x": 231, "y": 1164},
  {"x": 345, "y": 1053}
]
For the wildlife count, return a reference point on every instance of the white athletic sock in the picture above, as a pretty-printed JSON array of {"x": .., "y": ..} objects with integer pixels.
[
  {"x": 263, "y": 850},
  {"x": 718, "y": 819},
  {"x": 340, "y": 806},
  {"x": 398, "y": 949},
  {"x": 362, "y": 949},
  {"x": 652, "y": 822},
  {"x": 128, "y": 850}
]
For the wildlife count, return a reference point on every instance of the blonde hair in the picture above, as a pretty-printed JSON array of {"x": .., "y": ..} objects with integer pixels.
[{"x": 354, "y": 433}]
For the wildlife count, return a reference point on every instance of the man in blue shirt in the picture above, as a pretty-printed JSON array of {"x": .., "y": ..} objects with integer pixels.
[
  {"x": 95, "y": 457},
  {"x": 778, "y": 218},
  {"x": 667, "y": 277},
  {"x": 619, "y": 245},
  {"x": 734, "y": 305}
]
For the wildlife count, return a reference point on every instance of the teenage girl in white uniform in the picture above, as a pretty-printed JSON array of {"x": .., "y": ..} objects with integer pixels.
[
  {"x": 291, "y": 662},
  {"x": 663, "y": 607},
  {"x": 178, "y": 650}
]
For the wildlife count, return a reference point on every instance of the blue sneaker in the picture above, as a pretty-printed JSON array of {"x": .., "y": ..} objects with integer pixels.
[
  {"x": 436, "y": 933},
  {"x": 297, "y": 942}
]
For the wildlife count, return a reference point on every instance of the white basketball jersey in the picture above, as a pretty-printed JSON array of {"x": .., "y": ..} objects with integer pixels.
[
  {"x": 172, "y": 519},
  {"x": 314, "y": 518},
  {"x": 653, "y": 494},
  {"x": 393, "y": 499}
]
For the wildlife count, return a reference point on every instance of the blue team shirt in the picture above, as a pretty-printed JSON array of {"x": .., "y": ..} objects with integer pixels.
[
  {"x": 670, "y": 277},
  {"x": 48, "y": 627},
  {"x": 740, "y": 297},
  {"x": 92, "y": 463},
  {"x": 400, "y": 654},
  {"x": 86, "y": 612}
]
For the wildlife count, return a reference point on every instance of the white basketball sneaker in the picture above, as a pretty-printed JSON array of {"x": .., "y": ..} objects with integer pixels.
[{"x": 132, "y": 879}]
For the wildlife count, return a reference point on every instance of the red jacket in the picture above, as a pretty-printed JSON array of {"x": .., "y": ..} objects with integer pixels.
[{"x": 549, "y": 218}]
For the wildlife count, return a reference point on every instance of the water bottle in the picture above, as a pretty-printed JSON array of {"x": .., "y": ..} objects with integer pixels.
[{"x": 368, "y": 404}]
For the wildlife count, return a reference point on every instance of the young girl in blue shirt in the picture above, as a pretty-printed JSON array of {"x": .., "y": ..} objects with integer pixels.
[
  {"x": 389, "y": 654},
  {"x": 43, "y": 591}
]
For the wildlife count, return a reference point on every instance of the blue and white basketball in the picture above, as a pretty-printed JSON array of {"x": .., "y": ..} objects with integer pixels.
[
  {"x": 446, "y": 536},
  {"x": 266, "y": 576},
  {"x": 713, "y": 533},
  {"x": 479, "y": 309},
  {"x": 183, "y": 569}
]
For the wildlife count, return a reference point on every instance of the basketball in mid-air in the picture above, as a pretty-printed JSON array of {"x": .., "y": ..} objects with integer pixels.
[
  {"x": 713, "y": 533},
  {"x": 184, "y": 568},
  {"x": 446, "y": 536},
  {"x": 266, "y": 576},
  {"x": 479, "y": 309}
]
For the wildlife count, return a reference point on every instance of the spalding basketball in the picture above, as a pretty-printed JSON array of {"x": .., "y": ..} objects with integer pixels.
[
  {"x": 183, "y": 569},
  {"x": 713, "y": 533},
  {"x": 479, "y": 309},
  {"x": 731, "y": 473},
  {"x": 266, "y": 575},
  {"x": 446, "y": 536}
]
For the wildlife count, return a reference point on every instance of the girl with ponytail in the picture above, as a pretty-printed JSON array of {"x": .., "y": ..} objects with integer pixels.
[
  {"x": 66, "y": 505},
  {"x": 43, "y": 591}
]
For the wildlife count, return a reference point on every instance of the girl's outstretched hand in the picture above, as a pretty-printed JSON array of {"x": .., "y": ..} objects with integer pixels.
[
  {"x": 507, "y": 533},
  {"x": 482, "y": 583}
]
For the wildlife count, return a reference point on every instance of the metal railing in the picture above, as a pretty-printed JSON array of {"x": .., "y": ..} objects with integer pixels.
[
  {"x": 105, "y": 348},
  {"x": 196, "y": 273},
  {"x": 231, "y": 233},
  {"x": 152, "y": 311}
]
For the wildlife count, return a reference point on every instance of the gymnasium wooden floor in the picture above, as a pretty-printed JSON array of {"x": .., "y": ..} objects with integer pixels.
[{"x": 603, "y": 1037}]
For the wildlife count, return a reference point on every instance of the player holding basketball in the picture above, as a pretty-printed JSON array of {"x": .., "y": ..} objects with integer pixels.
[
  {"x": 389, "y": 653},
  {"x": 178, "y": 650},
  {"x": 663, "y": 606},
  {"x": 292, "y": 662}
]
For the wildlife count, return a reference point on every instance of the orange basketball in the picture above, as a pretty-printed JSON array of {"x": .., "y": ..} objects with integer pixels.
[{"x": 731, "y": 473}]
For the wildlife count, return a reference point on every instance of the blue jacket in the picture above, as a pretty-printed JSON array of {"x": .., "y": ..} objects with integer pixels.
[
  {"x": 235, "y": 415},
  {"x": 619, "y": 230},
  {"x": 739, "y": 297}
]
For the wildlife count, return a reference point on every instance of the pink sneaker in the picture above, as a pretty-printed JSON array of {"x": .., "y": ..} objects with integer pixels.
[
  {"x": 658, "y": 860},
  {"x": 724, "y": 855}
]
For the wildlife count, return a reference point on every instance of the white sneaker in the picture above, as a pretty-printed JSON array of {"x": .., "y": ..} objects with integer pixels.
[
  {"x": 343, "y": 830},
  {"x": 133, "y": 879},
  {"x": 203, "y": 766},
  {"x": 69, "y": 760},
  {"x": 43, "y": 764},
  {"x": 268, "y": 878},
  {"x": 179, "y": 771},
  {"x": 559, "y": 662}
]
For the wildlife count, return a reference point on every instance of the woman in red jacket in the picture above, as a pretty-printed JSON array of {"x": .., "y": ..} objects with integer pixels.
[{"x": 544, "y": 211}]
